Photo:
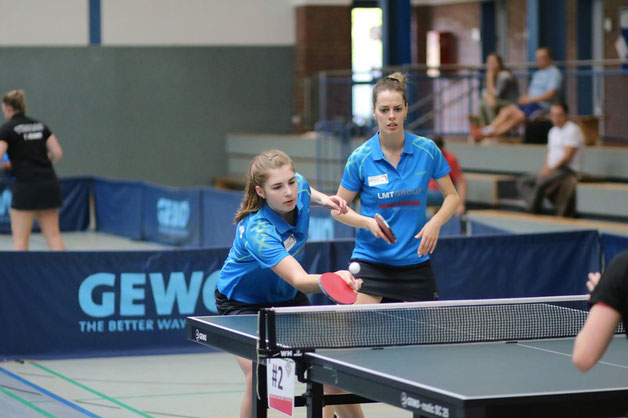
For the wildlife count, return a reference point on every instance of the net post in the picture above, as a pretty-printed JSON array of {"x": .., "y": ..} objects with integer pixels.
[{"x": 266, "y": 331}]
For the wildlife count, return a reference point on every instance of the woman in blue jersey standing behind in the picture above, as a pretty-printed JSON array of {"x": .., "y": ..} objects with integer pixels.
[
  {"x": 391, "y": 172},
  {"x": 263, "y": 269}
]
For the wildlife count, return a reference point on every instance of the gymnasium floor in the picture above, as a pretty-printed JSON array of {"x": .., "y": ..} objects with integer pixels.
[{"x": 182, "y": 386}]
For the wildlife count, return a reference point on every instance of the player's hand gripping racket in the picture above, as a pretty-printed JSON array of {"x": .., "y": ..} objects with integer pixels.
[
  {"x": 335, "y": 288},
  {"x": 383, "y": 225}
]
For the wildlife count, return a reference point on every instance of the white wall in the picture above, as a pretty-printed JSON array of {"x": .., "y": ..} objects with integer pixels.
[
  {"x": 197, "y": 22},
  {"x": 43, "y": 22},
  {"x": 152, "y": 22}
]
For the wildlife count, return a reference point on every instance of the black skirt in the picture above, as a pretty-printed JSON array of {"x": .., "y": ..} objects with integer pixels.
[
  {"x": 36, "y": 196},
  {"x": 233, "y": 307},
  {"x": 411, "y": 283}
]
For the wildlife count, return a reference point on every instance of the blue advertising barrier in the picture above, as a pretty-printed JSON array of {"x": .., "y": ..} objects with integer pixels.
[
  {"x": 516, "y": 265},
  {"x": 481, "y": 228},
  {"x": 74, "y": 213},
  {"x": 60, "y": 304},
  {"x": 219, "y": 208},
  {"x": 172, "y": 215},
  {"x": 612, "y": 245},
  {"x": 74, "y": 304},
  {"x": 118, "y": 206}
]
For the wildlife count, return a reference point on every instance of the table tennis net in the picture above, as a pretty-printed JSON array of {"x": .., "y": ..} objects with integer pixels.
[{"x": 430, "y": 323}]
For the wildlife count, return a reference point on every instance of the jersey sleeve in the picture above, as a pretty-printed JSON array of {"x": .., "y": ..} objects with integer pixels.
[
  {"x": 303, "y": 184},
  {"x": 264, "y": 244},
  {"x": 352, "y": 175},
  {"x": 46, "y": 132},
  {"x": 613, "y": 286},
  {"x": 441, "y": 168}
]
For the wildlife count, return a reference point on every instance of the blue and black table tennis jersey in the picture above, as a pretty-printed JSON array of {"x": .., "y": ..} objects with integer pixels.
[
  {"x": 262, "y": 240},
  {"x": 398, "y": 194}
]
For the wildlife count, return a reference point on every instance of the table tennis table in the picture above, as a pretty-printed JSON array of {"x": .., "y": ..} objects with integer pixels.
[{"x": 513, "y": 378}]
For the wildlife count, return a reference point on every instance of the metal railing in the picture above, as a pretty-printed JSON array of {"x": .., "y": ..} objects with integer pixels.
[{"x": 441, "y": 104}]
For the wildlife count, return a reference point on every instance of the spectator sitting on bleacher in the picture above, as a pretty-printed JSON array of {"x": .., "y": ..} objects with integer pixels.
[
  {"x": 500, "y": 89},
  {"x": 543, "y": 89},
  {"x": 434, "y": 196},
  {"x": 557, "y": 180}
]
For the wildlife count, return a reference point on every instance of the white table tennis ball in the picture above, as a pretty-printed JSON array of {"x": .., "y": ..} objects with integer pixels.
[{"x": 354, "y": 268}]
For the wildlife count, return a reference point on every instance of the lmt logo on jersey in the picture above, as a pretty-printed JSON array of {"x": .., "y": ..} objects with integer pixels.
[{"x": 173, "y": 216}]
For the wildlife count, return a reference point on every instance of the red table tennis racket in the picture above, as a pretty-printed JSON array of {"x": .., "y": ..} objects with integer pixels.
[
  {"x": 335, "y": 288},
  {"x": 383, "y": 225}
]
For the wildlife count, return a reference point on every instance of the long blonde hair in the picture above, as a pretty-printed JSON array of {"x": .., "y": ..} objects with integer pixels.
[
  {"x": 15, "y": 99},
  {"x": 258, "y": 174}
]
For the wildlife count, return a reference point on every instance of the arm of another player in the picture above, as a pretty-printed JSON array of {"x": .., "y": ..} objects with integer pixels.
[
  {"x": 334, "y": 203},
  {"x": 54, "y": 149},
  {"x": 3, "y": 148},
  {"x": 597, "y": 332},
  {"x": 354, "y": 219},
  {"x": 461, "y": 186},
  {"x": 292, "y": 272},
  {"x": 595, "y": 336},
  {"x": 430, "y": 231}
]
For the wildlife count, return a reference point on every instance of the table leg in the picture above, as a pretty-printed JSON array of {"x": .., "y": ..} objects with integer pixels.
[
  {"x": 314, "y": 400},
  {"x": 260, "y": 396}
]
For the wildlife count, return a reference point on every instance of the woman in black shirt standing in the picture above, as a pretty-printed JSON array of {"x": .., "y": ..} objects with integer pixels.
[{"x": 32, "y": 149}]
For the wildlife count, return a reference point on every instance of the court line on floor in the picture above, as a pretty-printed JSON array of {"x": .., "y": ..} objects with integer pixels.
[
  {"x": 167, "y": 395},
  {"x": 45, "y": 392},
  {"x": 26, "y": 403},
  {"x": 87, "y": 388}
]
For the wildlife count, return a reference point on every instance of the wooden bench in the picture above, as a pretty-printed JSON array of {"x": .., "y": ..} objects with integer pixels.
[{"x": 602, "y": 199}]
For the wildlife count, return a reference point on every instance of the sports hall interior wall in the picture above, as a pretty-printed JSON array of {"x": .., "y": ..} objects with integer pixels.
[{"x": 153, "y": 113}]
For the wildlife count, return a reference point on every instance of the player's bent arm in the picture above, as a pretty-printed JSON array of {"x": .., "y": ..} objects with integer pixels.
[
  {"x": 54, "y": 149},
  {"x": 595, "y": 336},
  {"x": 451, "y": 202},
  {"x": 317, "y": 197},
  {"x": 290, "y": 270},
  {"x": 351, "y": 218},
  {"x": 462, "y": 189}
]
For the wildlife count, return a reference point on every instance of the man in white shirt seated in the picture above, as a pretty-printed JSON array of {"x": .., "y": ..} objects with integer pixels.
[{"x": 563, "y": 163}]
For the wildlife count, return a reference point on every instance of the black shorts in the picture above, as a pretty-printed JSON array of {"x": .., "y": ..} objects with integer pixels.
[
  {"x": 233, "y": 307},
  {"x": 36, "y": 196},
  {"x": 411, "y": 283}
]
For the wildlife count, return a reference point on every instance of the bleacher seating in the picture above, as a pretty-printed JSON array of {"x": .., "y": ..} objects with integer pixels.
[
  {"x": 490, "y": 170},
  {"x": 516, "y": 222}
]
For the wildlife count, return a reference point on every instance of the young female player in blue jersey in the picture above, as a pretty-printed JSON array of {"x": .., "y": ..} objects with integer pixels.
[
  {"x": 262, "y": 269},
  {"x": 391, "y": 172}
]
